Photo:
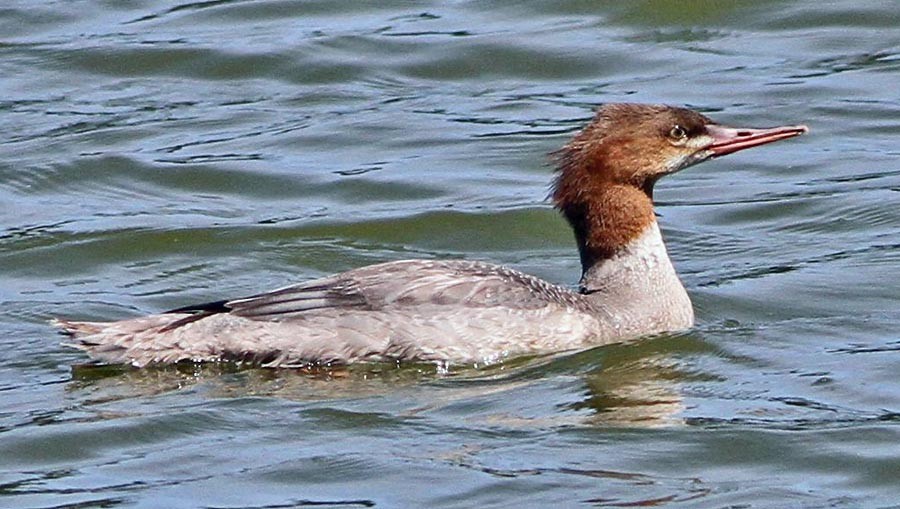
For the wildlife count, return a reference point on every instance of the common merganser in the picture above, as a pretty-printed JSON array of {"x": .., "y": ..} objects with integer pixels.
[{"x": 456, "y": 311}]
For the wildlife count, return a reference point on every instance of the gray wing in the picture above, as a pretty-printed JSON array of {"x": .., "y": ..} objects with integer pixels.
[{"x": 405, "y": 284}]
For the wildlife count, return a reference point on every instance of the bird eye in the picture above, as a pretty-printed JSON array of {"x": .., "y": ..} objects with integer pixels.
[{"x": 677, "y": 133}]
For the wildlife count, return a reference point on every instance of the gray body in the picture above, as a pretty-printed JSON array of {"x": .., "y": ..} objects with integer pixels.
[{"x": 420, "y": 310}]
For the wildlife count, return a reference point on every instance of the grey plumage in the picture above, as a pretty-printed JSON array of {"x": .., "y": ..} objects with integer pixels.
[{"x": 423, "y": 310}]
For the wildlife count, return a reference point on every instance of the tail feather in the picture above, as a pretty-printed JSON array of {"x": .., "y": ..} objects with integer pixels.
[
  {"x": 77, "y": 329},
  {"x": 139, "y": 341},
  {"x": 203, "y": 337}
]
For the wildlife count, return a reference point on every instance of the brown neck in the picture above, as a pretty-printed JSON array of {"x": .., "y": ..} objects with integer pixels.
[{"x": 605, "y": 217}]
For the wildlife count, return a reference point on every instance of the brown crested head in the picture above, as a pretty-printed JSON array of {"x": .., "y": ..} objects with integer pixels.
[
  {"x": 606, "y": 174},
  {"x": 630, "y": 144}
]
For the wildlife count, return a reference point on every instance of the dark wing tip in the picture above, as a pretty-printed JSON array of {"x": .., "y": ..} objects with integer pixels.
[{"x": 209, "y": 308}]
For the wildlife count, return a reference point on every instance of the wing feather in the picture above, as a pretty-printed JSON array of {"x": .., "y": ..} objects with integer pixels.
[{"x": 404, "y": 284}]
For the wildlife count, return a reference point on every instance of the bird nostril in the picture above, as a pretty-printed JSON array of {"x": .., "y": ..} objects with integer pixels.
[{"x": 743, "y": 133}]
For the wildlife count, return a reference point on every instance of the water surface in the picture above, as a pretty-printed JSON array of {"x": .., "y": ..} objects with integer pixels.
[{"x": 159, "y": 153}]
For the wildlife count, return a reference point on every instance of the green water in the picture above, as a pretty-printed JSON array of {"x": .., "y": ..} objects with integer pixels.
[{"x": 155, "y": 154}]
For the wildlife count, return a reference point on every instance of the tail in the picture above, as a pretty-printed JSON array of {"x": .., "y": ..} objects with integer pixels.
[
  {"x": 167, "y": 338},
  {"x": 77, "y": 329},
  {"x": 138, "y": 341}
]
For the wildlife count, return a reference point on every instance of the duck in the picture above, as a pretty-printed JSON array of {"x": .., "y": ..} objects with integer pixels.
[{"x": 463, "y": 311}]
